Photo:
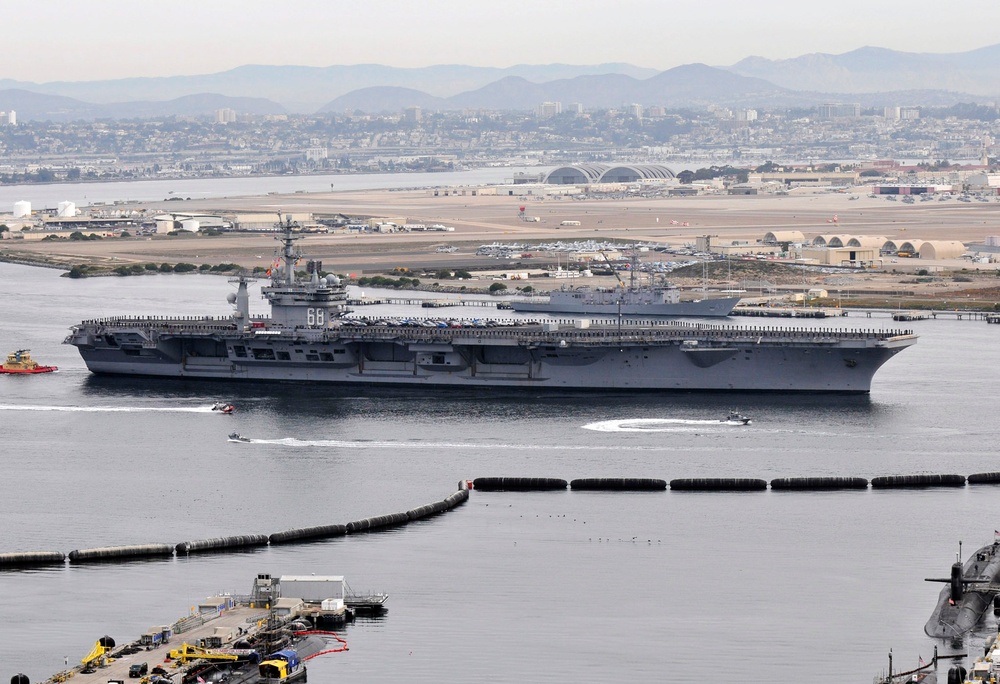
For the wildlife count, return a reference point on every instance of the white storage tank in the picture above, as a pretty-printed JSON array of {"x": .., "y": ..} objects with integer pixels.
[
  {"x": 190, "y": 225},
  {"x": 332, "y": 604},
  {"x": 67, "y": 209},
  {"x": 22, "y": 209}
]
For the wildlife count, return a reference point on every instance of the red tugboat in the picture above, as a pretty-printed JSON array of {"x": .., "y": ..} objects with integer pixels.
[{"x": 20, "y": 361}]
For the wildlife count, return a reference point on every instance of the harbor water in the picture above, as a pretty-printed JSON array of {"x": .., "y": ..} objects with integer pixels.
[
  {"x": 43, "y": 195},
  {"x": 774, "y": 586}
]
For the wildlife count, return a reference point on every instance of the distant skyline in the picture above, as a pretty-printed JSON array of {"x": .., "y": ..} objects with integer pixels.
[{"x": 85, "y": 40}]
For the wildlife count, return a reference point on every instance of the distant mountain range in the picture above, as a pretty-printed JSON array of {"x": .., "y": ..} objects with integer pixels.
[
  {"x": 306, "y": 89},
  {"x": 873, "y": 70},
  {"x": 873, "y": 76}
]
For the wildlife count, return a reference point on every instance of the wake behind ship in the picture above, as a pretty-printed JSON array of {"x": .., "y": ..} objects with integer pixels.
[{"x": 306, "y": 339}]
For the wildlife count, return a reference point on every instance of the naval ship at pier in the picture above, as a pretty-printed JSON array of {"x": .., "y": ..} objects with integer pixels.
[{"x": 307, "y": 339}]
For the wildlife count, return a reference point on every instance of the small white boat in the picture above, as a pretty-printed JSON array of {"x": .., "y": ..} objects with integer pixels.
[
  {"x": 237, "y": 437},
  {"x": 223, "y": 407},
  {"x": 735, "y": 418}
]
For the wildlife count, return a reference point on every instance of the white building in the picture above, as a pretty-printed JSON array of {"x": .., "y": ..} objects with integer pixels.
[{"x": 547, "y": 110}]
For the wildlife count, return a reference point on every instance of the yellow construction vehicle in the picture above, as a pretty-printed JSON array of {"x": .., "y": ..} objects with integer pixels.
[
  {"x": 98, "y": 657},
  {"x": 187, "y": 652}
]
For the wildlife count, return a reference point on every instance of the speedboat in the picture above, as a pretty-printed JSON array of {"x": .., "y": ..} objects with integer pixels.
[
  {"x": 223, "y": 407},
  {"x": 237, "y": 437},
  {"x": 736, "y": 419}
]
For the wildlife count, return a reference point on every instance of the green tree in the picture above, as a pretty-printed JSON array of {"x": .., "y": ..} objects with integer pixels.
[{"x": 497, "y": 287}]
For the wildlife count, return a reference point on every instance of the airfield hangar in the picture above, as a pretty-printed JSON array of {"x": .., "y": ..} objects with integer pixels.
[{"x": 589, "y": 174}]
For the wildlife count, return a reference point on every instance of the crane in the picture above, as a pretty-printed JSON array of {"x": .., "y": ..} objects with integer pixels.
[{"x": 614, "y": 272}]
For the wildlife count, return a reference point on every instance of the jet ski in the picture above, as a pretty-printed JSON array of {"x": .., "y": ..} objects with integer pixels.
[{"x": 237, "y": 437}]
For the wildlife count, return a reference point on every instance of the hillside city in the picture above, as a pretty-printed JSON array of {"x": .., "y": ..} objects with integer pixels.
[{"x": 232, "y": 144}]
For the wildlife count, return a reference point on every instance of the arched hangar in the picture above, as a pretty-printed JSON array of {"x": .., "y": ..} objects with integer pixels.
[
  {"x": 587, "y": 174},
  {"x": 777, "y": 236},
  {"x": 942, "y": 249}
]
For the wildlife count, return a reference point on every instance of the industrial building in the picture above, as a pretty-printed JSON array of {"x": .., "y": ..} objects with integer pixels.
[{"x": 590, "y": 174}]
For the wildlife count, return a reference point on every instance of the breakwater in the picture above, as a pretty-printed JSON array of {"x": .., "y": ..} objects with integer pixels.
[
  {"x": 26, "y": 559},
  {"x": 133, "y": 552},
  {"x": 731, "y": 484}
]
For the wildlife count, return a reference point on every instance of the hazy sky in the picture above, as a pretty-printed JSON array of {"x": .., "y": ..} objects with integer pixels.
[{"x": 75, "y": 40}]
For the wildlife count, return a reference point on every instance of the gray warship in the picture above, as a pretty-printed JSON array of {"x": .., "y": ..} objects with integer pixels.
[
  {"x": 306, "y": 338},
  {"x": 633, "y": 299},
  {"x": 970, "y": 590}
]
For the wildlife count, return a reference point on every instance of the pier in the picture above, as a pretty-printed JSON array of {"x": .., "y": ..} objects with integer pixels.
[{"x": 112, "y": 664}]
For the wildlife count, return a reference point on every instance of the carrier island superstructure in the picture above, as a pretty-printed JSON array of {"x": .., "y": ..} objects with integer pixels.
[{"x": 307, "y": 339}]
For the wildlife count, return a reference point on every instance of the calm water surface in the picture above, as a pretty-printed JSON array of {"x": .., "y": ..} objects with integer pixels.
[
  {"x": 585, "y": 586},
  {"x": 42, "y": 196}
]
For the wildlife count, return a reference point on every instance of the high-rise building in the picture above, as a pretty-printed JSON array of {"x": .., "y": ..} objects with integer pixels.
[
  {"x": 575, "y": 108},
  {"x": 634, "y": 110},
  {"x": 746, "y": 114},
  {"x": 412, "y": 114},
  {"x": 547, "y": 110},
  {"x": 839, "y": 110},
  {"x": 225, "y": 115}
]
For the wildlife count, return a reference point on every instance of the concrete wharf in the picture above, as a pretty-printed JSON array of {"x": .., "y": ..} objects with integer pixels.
[{"x": 242, "y": 619}]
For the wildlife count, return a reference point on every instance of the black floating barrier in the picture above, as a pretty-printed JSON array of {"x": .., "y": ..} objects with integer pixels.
[
  {"x": 377, "y": 522},
  {"x": 984, "y": 478},
  {"x": 619, "y": 484},
  {"x": 222, "y": 543},
  {"x": 427, "y": 510},
  {"x": 114, "y": 552},
  {"x": 918, "y": 481},
  {"x": 319, "y": 532},
  {"x": 819, "y": 483},
  {"x": 459, "y": 497},
  {"x": 518, "y": 484},
  {"x": 719, "y": 484},
  {"x": 29, "y": 558}
]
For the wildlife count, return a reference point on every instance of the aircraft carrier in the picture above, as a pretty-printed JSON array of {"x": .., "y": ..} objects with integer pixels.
[{"x": 307, "y": 339}]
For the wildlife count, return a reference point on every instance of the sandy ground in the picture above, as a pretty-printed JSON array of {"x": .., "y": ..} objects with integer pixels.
[{"x": 485, "y": 219}]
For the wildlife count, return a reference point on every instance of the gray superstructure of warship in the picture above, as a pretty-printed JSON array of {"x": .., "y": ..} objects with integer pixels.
[{"x": 307, "y": 339}]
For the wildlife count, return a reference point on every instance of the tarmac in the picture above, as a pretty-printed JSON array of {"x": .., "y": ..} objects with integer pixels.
[{"x": 484, "y": 219}]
